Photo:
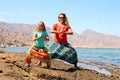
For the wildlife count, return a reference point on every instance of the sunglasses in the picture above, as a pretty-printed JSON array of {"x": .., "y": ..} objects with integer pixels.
[{"x": 61, "y": 17}]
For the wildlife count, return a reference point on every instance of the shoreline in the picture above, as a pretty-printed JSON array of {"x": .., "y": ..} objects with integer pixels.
[
  {"x": 4, "y": 46},
  {"x": 12, "y": 67},
  {"x": 101, "y": 67}
]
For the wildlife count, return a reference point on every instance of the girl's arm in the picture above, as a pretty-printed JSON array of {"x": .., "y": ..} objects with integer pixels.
[{"x": 35, "y": 37}]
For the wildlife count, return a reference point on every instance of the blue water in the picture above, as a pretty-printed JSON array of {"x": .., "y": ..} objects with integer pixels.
[
  {"x": 15, "y": 49},
  {"x": 109, "y": 55}
]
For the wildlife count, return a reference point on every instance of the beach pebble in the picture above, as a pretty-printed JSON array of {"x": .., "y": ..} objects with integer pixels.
[{"x": 1, "y": 71}]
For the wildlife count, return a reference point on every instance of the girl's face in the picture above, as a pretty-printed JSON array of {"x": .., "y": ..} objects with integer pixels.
[{"x": 41, "y": 26}]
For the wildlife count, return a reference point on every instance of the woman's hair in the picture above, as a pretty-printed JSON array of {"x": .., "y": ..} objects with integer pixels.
[
  {"x": 40, "y": 24},
  {"x": 66, "y": 19}
]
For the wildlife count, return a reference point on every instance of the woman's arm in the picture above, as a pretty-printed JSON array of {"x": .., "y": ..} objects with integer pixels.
[
  {"x": 52, "y": 30},
  {"x": 70, "y": 32}
]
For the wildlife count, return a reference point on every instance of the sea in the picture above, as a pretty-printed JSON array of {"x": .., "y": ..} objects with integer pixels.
[
  {"x": 106, "y": 55},
  {"x": 109, "y": 55}
]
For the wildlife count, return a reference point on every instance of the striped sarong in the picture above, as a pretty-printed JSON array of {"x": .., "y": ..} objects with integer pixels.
[{"x": 64, "y": 53}]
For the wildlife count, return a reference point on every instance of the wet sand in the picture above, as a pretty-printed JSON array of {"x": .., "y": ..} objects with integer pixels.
[{"x": 12, "y": 67}]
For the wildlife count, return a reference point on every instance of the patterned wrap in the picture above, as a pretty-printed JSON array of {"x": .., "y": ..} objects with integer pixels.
[{"x": 64, "y": 53}]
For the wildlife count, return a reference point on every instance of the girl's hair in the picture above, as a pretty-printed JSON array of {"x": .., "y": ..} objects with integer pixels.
[
  {"x": 40, "y": 24},
  {"x": 66, "y": 19}
]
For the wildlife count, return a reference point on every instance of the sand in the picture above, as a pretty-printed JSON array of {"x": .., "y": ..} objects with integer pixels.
[{"x": 12, "y": 67}]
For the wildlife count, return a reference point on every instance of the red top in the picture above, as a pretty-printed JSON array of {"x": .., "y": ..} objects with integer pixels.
[{"x": 60, "y": 37}]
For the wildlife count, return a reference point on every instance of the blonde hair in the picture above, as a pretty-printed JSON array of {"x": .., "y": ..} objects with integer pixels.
[
  {"x": 66, "y": 19},
  {"x": 40, "y": 24}
]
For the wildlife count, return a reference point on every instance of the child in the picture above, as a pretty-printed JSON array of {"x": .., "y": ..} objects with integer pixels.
[{"x": 38, "y": 50}]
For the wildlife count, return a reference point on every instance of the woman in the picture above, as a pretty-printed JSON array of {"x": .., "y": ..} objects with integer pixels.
[{"x": 61, "y": 30}]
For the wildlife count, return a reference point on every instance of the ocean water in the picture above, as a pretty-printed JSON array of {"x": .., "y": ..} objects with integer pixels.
[
  {"x": 109, "y": 55},
  {"x": 15, "y": 49}
]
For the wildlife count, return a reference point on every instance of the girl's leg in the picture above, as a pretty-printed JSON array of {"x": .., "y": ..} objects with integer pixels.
[
  {"x": 48, "y": 62},
  {"x": 29, "y": 56},
  {"x": 28, "y": 59},
  {"x": 40, "y": 61}
]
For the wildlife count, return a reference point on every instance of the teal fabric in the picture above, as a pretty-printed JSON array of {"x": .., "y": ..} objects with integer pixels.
[
  {"x": 40, "y": 41},
  {"x": 65, "y": 53}
]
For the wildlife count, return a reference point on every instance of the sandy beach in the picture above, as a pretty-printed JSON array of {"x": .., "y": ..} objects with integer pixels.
[{"x": 12, "y": 67}]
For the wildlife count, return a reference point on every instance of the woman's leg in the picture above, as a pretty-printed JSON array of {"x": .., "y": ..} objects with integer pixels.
[
  {"x": 49, "y": 61},
  {"x": 69, "y": 46}
]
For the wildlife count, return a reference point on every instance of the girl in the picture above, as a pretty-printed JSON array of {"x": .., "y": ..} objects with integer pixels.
[{"x": 38, "y": 49}]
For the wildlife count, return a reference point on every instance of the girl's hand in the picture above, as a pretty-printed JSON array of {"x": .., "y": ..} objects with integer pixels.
[
  {"x": 35, "y": 38},
  {"x": 40, "y": 36},
  {"x": 47, "y": 38}
]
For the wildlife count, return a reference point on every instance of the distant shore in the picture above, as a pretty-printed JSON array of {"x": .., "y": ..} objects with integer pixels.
[
  {"x": 3, "y": 46},
  {"x": 12, "y": 67}
]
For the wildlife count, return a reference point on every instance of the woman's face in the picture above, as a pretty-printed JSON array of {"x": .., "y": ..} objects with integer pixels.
[{"x": 61, "y": 18}]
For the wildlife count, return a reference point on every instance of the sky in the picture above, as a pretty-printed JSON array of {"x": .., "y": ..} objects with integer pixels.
[{"x": 102, "y": 16}]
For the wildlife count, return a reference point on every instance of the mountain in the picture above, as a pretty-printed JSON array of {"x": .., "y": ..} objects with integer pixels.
[
  {"x": 21, "y": 35},
  {"x": 16, "y": 34},
  {"x": 91, "y": 38}
]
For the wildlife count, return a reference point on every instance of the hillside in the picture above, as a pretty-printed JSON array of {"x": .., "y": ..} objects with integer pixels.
[
  {"x": 94, "y": 39},
  {"x": 21, "y": 35}
]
